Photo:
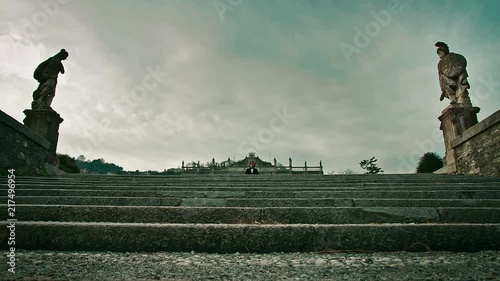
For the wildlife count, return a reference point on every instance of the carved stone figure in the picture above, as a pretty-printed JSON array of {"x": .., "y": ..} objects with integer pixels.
[
  {"x": 46, "y": 74},
  {"x": 453, "y": 76}
]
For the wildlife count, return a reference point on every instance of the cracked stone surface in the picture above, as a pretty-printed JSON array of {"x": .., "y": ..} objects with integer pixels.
[{"x": 48, "y": 265}]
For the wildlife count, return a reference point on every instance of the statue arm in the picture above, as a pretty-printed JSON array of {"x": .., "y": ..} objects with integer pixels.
[
  {"x": 441, "y": 85},
  {"x": 62, "y": 68}
]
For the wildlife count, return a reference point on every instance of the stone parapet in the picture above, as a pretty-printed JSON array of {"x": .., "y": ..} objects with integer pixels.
[
  {"x": 477, "y": 150},
  {"x": 20, "y": 147}
]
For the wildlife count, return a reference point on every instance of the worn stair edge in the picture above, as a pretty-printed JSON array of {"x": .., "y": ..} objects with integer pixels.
[
  {"x": 238, "y": 215},
  {"x": 286, "y": 188},
  {"x": 255, "y": 202},
  {"x": 418, "y": 194},
  {"x": 281, "y": 177},
  {"x": 226, "y": 238}
]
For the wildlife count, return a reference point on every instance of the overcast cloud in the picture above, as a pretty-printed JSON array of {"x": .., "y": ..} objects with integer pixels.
[{"x": 151, "y": 83}]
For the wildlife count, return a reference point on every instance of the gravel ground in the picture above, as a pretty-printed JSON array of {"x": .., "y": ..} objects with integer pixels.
[{"x": 45, "y": 265}]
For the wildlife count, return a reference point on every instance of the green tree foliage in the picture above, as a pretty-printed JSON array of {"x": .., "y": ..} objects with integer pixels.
[
  {"x": 99, "y": 166},
  {"x": 429, "y": 163},
  {"x": 67, "y": 164},
  {"x": 370, "y": 165}
]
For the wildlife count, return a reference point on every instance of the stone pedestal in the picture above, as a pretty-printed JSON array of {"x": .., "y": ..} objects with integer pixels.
[
  {"x": 45, "y": 122},
  {"x": 455, "y": 119}
]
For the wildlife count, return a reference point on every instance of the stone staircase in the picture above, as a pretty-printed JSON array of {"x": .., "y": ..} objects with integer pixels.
[{"x": 263, "y": 213}]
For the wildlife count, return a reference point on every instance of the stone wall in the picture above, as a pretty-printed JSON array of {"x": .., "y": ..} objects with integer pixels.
[
  {"x": 20, "y": 147},
  {"x": 477, "y": 150}
]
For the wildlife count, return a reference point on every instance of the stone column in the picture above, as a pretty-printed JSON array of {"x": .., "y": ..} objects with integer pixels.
[
  {"x": 45, "y": 122},
  {"x": 455, "y": 119}
]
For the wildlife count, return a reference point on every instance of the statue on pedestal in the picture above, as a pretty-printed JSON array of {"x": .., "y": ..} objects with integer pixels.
[
  {"x": 460, "y": 115},
  {"x": 46, "y": 74},
  {"x": 453, "y": 76}
]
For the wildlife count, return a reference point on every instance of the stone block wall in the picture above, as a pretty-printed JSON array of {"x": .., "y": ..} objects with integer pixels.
[
  {"x": 477, "y": 150},
  {"x": 20, "y": 147}
]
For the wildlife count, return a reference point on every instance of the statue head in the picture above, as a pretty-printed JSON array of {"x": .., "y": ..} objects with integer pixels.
[
  {"x": 63, "y": 54},
  {"x": 442, "y": 49}
]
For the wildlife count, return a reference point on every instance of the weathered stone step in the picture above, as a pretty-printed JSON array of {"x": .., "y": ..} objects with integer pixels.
[
  {"x": 255, "y": 202},
  {"x": 249, "y": 215},
  {"x": 362, "y": 202},
  {"x": 394, "y": 178},
  {"x": 428, "y": 194},
  {"x": 226, "y": 238},
  {"x": 297, "y": 185},
  {"x": 294, "y": 187},
  {"x": 99, "y": 200}
]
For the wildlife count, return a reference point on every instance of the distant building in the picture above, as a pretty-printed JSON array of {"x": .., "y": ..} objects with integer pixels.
[{"x": 239, "y": 167}]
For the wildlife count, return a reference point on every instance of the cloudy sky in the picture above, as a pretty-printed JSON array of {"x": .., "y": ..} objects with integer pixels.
[{"x": 151, "y": 83}]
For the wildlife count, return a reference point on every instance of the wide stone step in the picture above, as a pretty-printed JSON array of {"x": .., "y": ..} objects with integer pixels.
[
  {"x": 295, "y": 187},
  {"x": 220, "y": 182},
  {"x": 255, "y": 202},
  {"x": 274, "y": 179},
  {"x": 226, "y": 238},
  {"x": 248, "y": 215},
  {"x": 361, "y": 202},
  {"x": 418, "y": 194},
  {"x": 112, "y": 201}
]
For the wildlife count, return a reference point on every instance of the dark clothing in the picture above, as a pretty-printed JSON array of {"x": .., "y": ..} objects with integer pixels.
[
  {"x": 42, "y": 97},
  {"x": 249, "y": 171},
  {"x": 54, "y": 66}
]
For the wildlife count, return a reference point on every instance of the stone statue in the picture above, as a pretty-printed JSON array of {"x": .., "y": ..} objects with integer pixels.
[
  {"x": 453, "y": 76},
  {"x": 46, "y": 74}
]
